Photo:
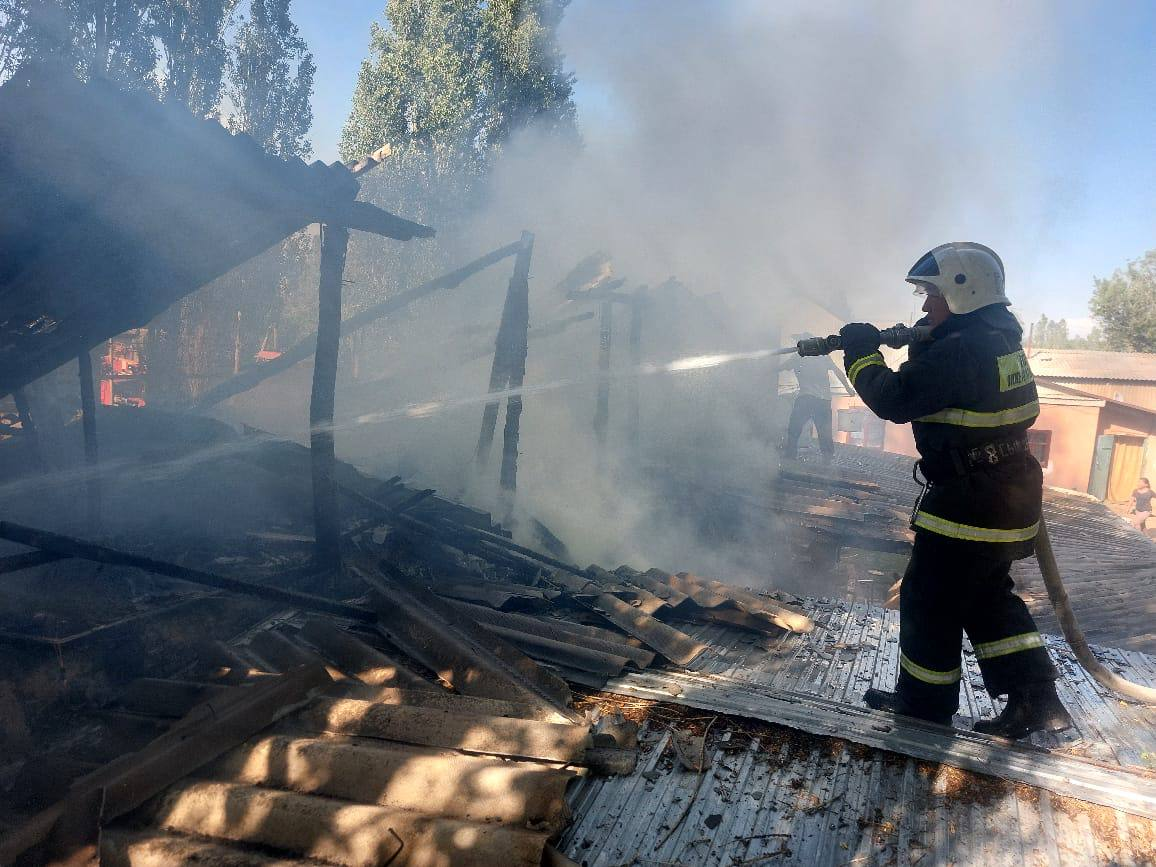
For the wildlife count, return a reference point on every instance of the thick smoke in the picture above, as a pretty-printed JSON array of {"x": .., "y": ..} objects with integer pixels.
[{"x": 786, "y": 162}]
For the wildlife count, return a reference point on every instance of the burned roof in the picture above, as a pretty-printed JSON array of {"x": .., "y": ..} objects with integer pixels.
[
  {"x": 114, "y": 205},
  {"x": 1094, "y": 364}
]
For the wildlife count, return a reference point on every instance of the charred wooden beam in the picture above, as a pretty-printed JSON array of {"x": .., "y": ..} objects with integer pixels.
[
  {"x": 366, "y": 217},
  {"x": 26, "y": 560},
  {"x": 66, "y": 546},
  {"x": 637, "y": 304},
  {"x": 28, "y": 427},
  {"x": 326, "y": 517},
  {"x": 257, "y": 374},
  {"x": 508, "y": 346},
  {"x": 91, "y": 452},
  {"x": 602, "y": 407},
  {"x": 462, "y": 653},
  {"x": 519, "y": 346},
  {"x": 70, "y": 827}
]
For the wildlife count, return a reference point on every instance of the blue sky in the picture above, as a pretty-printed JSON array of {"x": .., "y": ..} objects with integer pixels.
[{"x": 1089, "y": 119}]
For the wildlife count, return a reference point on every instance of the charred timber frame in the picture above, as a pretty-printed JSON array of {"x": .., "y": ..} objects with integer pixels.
[
  {"x": 463, "y": 654},
  {"x": 255, "y": 375},
  {"x": 91, "y": 451},
  {"x": 69, "y": 829},
  {"x": 326, "y": 517},
  {"x": 65, "y": 546},
  {"x": 28, "y": 427},
  {"x": 602, "y": 406},
  {"x": 518, "y": 348},
  {"x": 607, "y": 294},
  {"x": 637, "y": 301},
  {"x": 508, "y": 371}
]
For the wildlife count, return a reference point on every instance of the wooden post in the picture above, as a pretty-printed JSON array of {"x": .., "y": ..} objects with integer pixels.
[
  {"x": 637, "y": 302},
  {"x": 28, "y": 428},
  {"x": 602, "y": 409},
  {"x": 237, "y": 344},
  {"x": 258, "y": 373},
  {"x": 517, "y": 347},
  {"x": 91, "y": 453},
  {"x": 515, "y": 321},
  {"x": 326, "y": 520}
]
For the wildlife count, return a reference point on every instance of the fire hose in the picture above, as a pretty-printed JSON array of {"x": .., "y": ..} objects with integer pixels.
[{"x": 902, "y": 335}]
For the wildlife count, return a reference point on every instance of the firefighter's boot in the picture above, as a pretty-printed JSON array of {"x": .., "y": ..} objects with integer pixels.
[
  {"x": 892, "y": 702},
  {"x": 1034, "y": 707}
]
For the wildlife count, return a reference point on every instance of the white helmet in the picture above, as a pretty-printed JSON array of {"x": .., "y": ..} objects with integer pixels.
[{"x": 968, "y": 276}]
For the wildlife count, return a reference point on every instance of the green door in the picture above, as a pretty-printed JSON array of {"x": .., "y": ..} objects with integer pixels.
[{"x": 1101, "y": 465}]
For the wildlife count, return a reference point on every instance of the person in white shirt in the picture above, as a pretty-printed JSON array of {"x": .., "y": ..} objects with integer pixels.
[{"x": 813, "y": 402}]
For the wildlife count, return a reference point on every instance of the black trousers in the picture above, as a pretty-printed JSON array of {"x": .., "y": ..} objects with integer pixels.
[
  {"x": 807, "y": 408},
  {"x": 950, "y": 589}
]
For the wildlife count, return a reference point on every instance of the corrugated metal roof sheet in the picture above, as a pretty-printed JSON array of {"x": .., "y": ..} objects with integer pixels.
[
  {"x": 823, "y": 802},
  {"x": 779, "y": 797},
  {"x": 1093, "y": 364}
]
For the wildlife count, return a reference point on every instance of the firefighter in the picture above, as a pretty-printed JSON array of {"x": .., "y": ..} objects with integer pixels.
[{"x": 970, "y": 397}]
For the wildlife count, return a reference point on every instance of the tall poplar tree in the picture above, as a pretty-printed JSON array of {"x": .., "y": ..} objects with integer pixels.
[
  {"x": 192, "y": 33},
  {"x": 270, "y": 80},
  {"x": 459, "y": 77}
]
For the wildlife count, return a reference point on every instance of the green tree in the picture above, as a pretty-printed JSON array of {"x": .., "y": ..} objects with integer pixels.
[
  {"x": 1125, "y": 305},
  {"x": 107, "y": 38},
  {"x": 270, "y": 80},
  {"x": 446, "y": 85},
  {"x": 1050, "y": 334},
  {"x": 1053, "y": 334},
  {"x": 192, "y": 33},
  {"x": 458, "y": 77},
  {"x": 13, "y": 21},
  {"x": 174, "y": 48}
]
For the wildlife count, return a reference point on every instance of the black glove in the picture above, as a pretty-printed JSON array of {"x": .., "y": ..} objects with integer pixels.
[{"x": 859, "y": 339}]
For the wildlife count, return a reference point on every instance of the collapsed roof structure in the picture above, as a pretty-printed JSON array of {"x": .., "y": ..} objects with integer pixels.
[
  {"x": 206, "y": 689},
  {"x": 115, "y": 205}
]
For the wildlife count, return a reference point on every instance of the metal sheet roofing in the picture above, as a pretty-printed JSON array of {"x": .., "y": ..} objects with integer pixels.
[
  {"x": 774, "y": 796},
  {"x": 1094, "y": 364},
  {"x": 813, "y": 802}
]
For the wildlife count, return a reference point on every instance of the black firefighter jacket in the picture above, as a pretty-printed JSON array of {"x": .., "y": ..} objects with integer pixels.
[{"x": 970, "y": 397}]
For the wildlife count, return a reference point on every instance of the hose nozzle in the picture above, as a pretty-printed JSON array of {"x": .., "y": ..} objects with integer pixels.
[{"x": 896, "y": 336}]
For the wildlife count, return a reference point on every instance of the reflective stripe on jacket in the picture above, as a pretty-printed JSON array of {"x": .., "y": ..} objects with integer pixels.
[{"x": 965, "y": 392}]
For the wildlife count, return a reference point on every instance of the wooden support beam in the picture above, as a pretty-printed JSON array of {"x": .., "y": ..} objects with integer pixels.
[
  {"x": 605, "y": 338},
  {"x": 67, "y": 832},
  {"x": 91, "y": 453},
  {"x": 519, "y": 346},
  {"x": 637, "y": 303},
  {"x": 28, "y": 428},
  {"x": 511, "y": 336},
  {"x": 258, "y": 373},
  {"x": 67, "y": 546},
  {"x": 326, "y": 517},
  {"x": 26, "y": 560}
]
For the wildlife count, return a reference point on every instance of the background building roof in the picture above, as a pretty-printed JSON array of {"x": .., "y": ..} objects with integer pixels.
[{"x": 1094, "y": 364}]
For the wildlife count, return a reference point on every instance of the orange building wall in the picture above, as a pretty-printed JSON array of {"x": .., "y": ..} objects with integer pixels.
[
  {"x": 1074, "y": 431},
  {"x": 898, "y": 439},
  {"x": 1138, "y": 393},
  {"x": 1127, "y": 422}
]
